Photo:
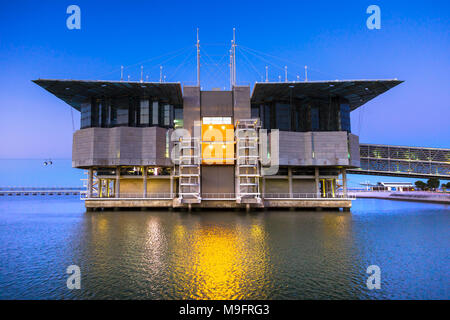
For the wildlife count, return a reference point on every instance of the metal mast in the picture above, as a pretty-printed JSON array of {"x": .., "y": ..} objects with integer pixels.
[
  {"x": 234, "y": 56},
  {"x": 198, "y": 60},
  {"x": 233, "y": 60},
  {"x": 231, "y": 67}
]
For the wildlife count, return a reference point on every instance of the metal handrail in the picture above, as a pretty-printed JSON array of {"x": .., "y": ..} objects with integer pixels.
[
  {"x": 150, "y": 196},
  {"x": 224, "y": 196},
  {"x": 306, "y": 196}
]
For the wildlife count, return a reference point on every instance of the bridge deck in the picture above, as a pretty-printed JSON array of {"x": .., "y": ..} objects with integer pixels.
[{"x": 399, "y": 161}]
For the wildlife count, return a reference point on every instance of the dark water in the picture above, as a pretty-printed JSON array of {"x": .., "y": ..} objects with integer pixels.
[{"x": 223, "y": 255}]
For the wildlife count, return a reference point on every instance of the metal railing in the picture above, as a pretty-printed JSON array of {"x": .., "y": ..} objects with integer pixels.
[
  {"x": 131, "y": 196},
  {"x": 223, "y": 196},
  {"x": 218, "y": 196},
  {"x": 39, "y": 191},
  {"x": 306, "y": 196}
]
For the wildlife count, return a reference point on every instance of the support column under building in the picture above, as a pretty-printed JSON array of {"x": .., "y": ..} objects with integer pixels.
[
  {"x": 89, "y": 182},
  {"x": 344, "y": 182},
  {"x": 290, "y": 181},
  {"x": 171, "y": 185},
  {"x": 316, "y": 179},
  {"x": 263, "y": 187},
  {"x": 117, "y": 191},
  {"x": 144, "y": 181}
]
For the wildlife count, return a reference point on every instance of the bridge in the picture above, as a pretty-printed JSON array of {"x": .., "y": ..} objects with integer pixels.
[
  {"x": 40, "y": 191},
  {"x": 400, "y": 161}
]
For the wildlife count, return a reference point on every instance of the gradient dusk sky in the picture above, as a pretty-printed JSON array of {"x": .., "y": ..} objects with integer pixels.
[{"x": 330, "y": 37}]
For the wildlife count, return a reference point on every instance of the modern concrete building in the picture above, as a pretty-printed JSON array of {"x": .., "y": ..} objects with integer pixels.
[{"x": 285, "y": 144}]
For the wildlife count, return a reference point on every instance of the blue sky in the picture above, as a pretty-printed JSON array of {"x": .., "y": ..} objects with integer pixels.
[{"x": 330, "y": 37}]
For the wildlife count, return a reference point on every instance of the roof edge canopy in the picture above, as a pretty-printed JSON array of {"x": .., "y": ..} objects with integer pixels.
[
  {"x": 357, "y": 92},
  {"x": 76, "y": 92}
]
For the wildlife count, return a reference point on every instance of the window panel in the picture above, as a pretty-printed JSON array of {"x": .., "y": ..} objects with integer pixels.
[{"x": 144, "y": 112}]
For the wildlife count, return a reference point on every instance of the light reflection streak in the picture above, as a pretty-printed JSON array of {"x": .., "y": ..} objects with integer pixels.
[{"x": 221, "y": 262}]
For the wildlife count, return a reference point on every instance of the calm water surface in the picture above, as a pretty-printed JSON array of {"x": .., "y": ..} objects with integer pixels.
[{"x": 223, "y": 255}]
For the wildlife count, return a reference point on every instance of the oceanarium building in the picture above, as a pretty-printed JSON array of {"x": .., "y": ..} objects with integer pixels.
[{"x": 285, "y": 144}]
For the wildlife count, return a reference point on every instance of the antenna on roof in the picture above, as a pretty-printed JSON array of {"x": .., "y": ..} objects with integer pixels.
[
  {"x": 128, "y": 77},
  {"x": 234, "y": 56},
  {"x": 285, "y": 74},
  {"x": 198, "y": 60},
  {"x": 146, "y": 78},
  {"x": 233, "y": 60},
  {"x": 160, "y": 74},
  {"x": 142, "y": 74},
  {"x": 121, "y": 73},
  {"x": 306, "y": 73},
  {"x": 267, "y": 73},
  {"x": 231, "y": 67}
]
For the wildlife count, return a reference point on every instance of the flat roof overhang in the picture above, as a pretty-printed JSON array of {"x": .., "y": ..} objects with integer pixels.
[
  {"x": 76, "y": 92},
  {"x": 357, "y": 92}
]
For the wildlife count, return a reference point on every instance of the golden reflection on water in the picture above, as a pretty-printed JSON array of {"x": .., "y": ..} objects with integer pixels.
[{"x": 221, "y": 262}]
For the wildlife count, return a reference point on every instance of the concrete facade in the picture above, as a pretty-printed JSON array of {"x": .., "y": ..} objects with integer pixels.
[
  {"x": 318, "y": 149},
  {"x": 120, "y": 146},
  {"x": 241, "y": 102}
]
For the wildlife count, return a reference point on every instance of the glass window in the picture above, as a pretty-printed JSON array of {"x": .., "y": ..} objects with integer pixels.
[
  {"x": 314, "y": 118},
  {"x": 112, "y": 115},
  {"x": 86, "y": 116},
  {"x": 178, "y": 121},
  {"x": 283, "y": 117},
  {"x": 144, "y": 112},
  {"x": 255, "y": 112},
  {"x": 298, "y": 123},
  {"x": 122, "y": 111},
  {"x": 267, "y": 122},
  {"x": 155, "y": 113},
  {"x": 167, "y": 115},
  {"x": 345, "y": 117}
]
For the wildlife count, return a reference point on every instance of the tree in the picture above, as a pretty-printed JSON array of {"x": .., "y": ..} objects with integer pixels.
[
  {"x": 420, "y": 184},
  {"x": 433, "y": 183},
  {"x": 448, "y": 185},
  {"x": 443, "y": 186}
]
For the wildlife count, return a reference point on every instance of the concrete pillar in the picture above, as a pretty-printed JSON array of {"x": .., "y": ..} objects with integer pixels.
[
  {"x": 171, "y": 185},
  {"x": 117, "y": 191},
  {"x": 100, "y": 187},
  {"x": 316, "y": 178},
  {"x": 344, "y": 182},
  {"x": 144, "y": 181},
  {"x": 263, "y": 187},
  {"x": 290, "y": 181},
  {"x": 89, "y": 182}
]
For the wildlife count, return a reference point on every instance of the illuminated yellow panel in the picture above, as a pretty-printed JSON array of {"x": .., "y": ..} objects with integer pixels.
[
  {"x": 217, "y": 132},
  {"x": 217, "y": 143},
  {"x": 218, "y": 153}
]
